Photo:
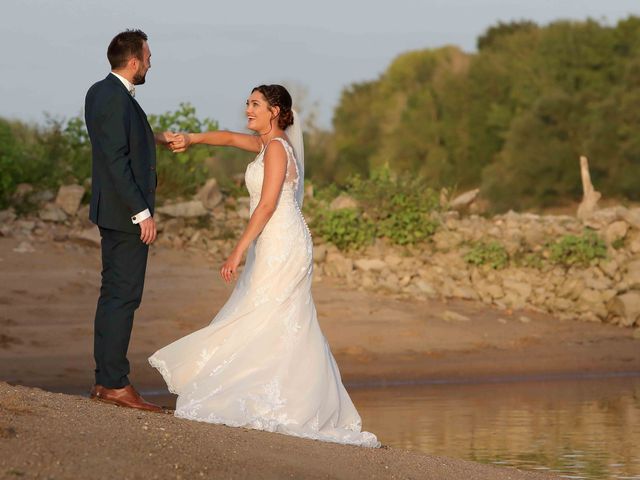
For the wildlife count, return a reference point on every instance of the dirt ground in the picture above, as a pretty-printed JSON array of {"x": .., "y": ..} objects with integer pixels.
[
  {"x": 48, "y": 298},
  {"x": 47, "y": 302}
]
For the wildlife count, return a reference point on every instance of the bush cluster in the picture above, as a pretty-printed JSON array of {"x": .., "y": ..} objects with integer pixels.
[
  {"x": 398, "y": 208},
  {"x": 566, "y": 251}
]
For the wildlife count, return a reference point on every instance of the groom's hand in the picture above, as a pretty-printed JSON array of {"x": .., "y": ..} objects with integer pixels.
[
  {"x": 180, "y": 142},
  {"x": 148, "y": 232},
  {"x": 164, "y": 138}
]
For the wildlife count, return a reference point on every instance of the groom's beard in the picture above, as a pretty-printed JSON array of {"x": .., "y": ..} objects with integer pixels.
[{"x": 139, "y": 78}]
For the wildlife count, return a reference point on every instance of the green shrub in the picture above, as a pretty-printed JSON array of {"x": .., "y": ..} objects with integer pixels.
[
  {"x": 395, "y": 207},
  {"x": 577, "y": 250},
  {"x": 488, "y": 253},
  {"x": 346, "y": 228}
]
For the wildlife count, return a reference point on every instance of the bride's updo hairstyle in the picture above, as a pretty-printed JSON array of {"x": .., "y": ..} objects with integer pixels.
[{"x": 277, "y": 96}]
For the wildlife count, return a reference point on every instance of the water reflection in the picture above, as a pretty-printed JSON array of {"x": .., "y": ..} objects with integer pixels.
[{"x": 578, "y": 428}]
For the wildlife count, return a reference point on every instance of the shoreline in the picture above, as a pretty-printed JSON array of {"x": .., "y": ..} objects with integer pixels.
[{"x": 38, "y": 442}]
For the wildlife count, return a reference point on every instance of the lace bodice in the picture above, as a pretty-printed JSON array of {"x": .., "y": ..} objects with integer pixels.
[{"x": 254, "y": 176}]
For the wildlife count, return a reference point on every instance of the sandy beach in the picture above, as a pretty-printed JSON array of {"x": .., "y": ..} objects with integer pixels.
[
  {"x": 48, "y": 435},
  {"x": 47, "y": 305}
]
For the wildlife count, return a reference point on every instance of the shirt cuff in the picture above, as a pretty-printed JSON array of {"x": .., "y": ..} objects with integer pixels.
[{"x": 143, "y": 215}]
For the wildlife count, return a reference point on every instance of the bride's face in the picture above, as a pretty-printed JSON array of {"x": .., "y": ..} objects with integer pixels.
[{"x": 259, "y": 114}]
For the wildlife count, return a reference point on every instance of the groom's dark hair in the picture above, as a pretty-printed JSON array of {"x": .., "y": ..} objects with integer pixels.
[{"x": 125, "y": 45}]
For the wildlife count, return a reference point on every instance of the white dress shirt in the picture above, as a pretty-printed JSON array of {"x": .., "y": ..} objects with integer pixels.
[{"x": 131, "y": 88}]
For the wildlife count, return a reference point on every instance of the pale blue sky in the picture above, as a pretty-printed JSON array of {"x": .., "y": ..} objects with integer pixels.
[{"x": 212, "y": 53}]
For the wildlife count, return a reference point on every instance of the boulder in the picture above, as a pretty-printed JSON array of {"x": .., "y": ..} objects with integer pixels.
[
  {"x": 336, "y": 265},
  {"x": 424, "y": 287},
  {"x": 616, "y": 231},
  {"x": 24, "y": 247},
  {"x": 21, "y": 191},
  {"x": 88, "y": 236},
  {"x": 464, "y": 200},
  {"x": 626, "y": 307},
  {"x": 632, "y": 277},
  {"x": 52, "y": 213},
  {"x": 7, "y": 216},
  {"x": 69, "y": 198},
  {"x": 370, "y": 264},
  {"x": 343, "y": 201},
  {"x": 450, "y": 316},
  {"x": 210, "y": 194},
  {"x": 191, "y": 209},
  {"x": 319, "y": 253}
]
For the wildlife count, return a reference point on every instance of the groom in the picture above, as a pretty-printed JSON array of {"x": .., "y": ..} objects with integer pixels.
[{"x": 123, "y": 196}]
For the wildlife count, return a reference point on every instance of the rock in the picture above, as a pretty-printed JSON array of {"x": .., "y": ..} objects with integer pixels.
[
  {"x": 464, "y": 292},
  {"x": 522, "y": 289},
  {"x": 370, "y": 264},
  {"x": 336, "y": 265},
  {"x": 343, "y": 201},
  {"x": 394, "y": 260},
  {"x": 52, "y": 213},
  {"x": 488, "y": 290},
  {"x": 631, "y": 216},
  {"x": 609, "y": 267},
  {"x": 571, "y": 288},
  {"x": 603, "y": 217},
  {"x": 319, "y": 253},
  {"x": 69, "y": 198},
  {"x": 210, "y": 194},
  {"x": 41, "y": 197},
  {"x": 425, "y": 288},
  {"x": 632, "y": 277},
  {"x": 308, "y": 190},
  {"x": 464, "y": 200},
  {"x": 626, "y": 307},
  {"x": 24, "y": 247},
  {"x": 88, "y": 236},
  {"x": 446, "y": 240},
  {"x": 7, "y": 216},
  {"x": 616, "y": 231},
  {"x": 191, "y": 209},
  {"x": 524, "y": 319},
  {"x": 26, "y": 225},
  {"x": 450, "y": 316},
  {"x": 243, "y": 212},
  {"x": 21, "y": 191}
]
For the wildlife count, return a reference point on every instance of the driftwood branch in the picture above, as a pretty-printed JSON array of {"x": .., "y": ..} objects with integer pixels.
[{"x": 590, "y": 196}]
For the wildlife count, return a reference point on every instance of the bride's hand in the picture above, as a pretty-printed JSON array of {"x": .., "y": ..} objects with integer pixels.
[
  {"x": 180, "y": 142},
  {"x": 229, "y": 269}
]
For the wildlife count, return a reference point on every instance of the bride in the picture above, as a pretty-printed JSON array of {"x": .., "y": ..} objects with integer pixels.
[{"x": 263, "y": 361}]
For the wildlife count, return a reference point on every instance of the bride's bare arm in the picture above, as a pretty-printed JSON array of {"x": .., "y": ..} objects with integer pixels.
[
  {"x": 221, "y": 138},
  {"x": 275, "y": 167}
]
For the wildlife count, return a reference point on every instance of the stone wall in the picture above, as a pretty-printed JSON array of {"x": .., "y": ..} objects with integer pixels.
[{"x": 608, "y": 290}]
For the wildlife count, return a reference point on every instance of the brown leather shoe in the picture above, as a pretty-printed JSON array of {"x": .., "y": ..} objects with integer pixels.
[{"x": 124, "y": 397}]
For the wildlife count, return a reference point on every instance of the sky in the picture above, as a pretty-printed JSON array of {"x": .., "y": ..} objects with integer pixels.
[{"x": 212, "y": 53}]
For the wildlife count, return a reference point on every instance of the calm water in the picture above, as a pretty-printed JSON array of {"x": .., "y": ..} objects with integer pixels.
[{"x": 580, "y": 429}]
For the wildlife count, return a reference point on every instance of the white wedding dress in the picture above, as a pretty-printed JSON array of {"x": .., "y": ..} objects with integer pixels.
[{"x": 263, "y": 362}]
